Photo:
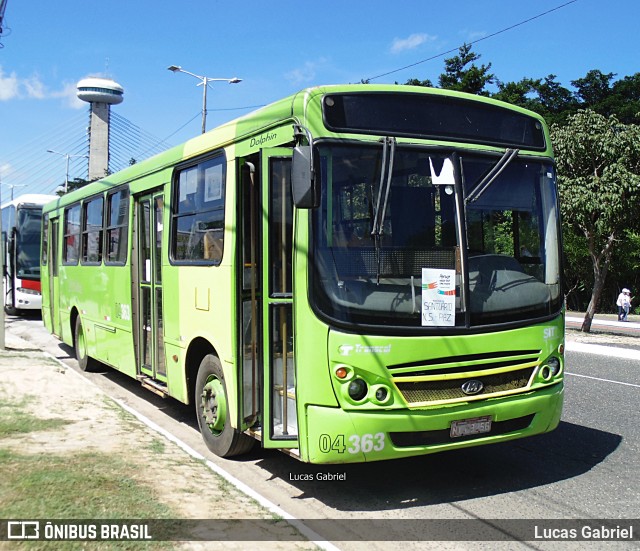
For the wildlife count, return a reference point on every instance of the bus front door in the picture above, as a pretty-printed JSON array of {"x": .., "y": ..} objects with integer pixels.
[
  {"x": 54, "y": 280},
  {"x": 147, "y": 277},
  {"x": 280, "y": 421}
]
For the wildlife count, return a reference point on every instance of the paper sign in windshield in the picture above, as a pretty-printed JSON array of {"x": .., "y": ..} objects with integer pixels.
[{"x": 438, "y": 297}]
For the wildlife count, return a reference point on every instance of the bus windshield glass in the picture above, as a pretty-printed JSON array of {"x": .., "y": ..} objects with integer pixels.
[
  {"x": 392, "y": 228},
  {"x": 28, "y": 226}
]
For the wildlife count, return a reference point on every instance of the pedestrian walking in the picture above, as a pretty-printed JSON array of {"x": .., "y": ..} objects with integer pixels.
[{"x": 624, "y": 304}]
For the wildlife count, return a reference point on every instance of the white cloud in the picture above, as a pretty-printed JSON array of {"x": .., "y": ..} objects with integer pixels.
[
  {"x": 6, "y": 169},
  {"x": 13, "y": 87},
  {"x": 410, "y": 43},
  {"x": 8, "y": 86},
  {"x": 471, "y": 36},
  {"x": 34, "y": 88},
  {"x": 69, "y": 96},
  {"x": 305, "y": 74}
]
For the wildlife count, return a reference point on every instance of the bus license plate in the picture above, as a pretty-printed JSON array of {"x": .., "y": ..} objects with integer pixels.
[{"x": 467, "y": 427}]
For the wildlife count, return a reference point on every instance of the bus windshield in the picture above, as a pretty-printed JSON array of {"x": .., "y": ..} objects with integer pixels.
[
  {"x": 391, "y": 225},
  {"x": 28, "y": 226}
]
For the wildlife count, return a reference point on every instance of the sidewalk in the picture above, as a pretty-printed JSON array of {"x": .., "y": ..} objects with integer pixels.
[
  {"x": 606, "y": 323},
  {"x": 63, "y": 417}
]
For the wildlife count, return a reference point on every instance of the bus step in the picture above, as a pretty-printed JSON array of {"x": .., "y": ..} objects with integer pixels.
[{"x": 154, "y": 386}]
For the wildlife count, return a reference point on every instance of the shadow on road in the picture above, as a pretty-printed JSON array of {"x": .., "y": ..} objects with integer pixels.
[{"x": 570, "y": 451}]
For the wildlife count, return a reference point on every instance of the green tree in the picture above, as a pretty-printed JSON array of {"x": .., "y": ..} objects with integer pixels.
[
  {"x": 520, "y": 93},
  {"x": 545, "y": 96},
  {"x": 626, "y": 94},
  {"x": 462, "y": 74},
  {"x": 598, "y": 161},
  {"x": 417, "y": 82},
  {"x": 556, "y": 103},
  {"x": 593, "y": 89}
]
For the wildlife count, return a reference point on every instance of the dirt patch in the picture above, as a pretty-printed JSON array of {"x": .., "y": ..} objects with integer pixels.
[{"x": 49, "y": 390}]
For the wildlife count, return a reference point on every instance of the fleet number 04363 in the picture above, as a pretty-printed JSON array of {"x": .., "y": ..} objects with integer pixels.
[{"x": 357, "y": 443}]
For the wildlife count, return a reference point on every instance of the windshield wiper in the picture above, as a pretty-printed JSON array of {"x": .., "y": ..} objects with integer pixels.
[
  {"x": 386, "y": 172},
  {"x": 490, "y": 177}
]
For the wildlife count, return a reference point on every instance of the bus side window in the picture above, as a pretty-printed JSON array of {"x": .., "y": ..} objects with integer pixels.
[
  {"x": 116, "y": 231},
  {"x": 71, "y": 234},
  {"x": 197, "y": 234},
  {"x": 92, "y": 223}
]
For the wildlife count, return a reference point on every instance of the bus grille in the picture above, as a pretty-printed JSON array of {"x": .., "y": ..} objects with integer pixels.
[
  {"x": 434, "y": 391},
  {"x": 436, "y": 381}
]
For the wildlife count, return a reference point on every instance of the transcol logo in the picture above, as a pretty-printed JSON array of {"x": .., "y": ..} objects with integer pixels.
[{"x": 345, "y": 349}]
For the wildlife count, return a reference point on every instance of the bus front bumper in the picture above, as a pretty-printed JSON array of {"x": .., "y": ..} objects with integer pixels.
[{"x": 338, "y": 436}]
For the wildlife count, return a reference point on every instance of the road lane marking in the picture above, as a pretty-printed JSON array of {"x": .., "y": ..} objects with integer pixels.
[
  {"x": 603, "y": 380},
  {"x": 602, "y": 350}
]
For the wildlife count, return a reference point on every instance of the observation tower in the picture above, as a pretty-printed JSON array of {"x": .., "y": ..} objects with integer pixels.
[{"x": 101, "y": 94}]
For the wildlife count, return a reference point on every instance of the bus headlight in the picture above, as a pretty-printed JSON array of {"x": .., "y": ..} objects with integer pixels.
[
  {"x": 550, "y": 369},
  {"x": 28, "y": 291},
  {"x": 554, "y": 366},
  {"x": 357, "y": 389},
  {"x": 381, "y": 394}
]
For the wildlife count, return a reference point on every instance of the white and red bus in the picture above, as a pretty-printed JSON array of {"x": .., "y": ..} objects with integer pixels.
[{"x": 21, "y": 231}]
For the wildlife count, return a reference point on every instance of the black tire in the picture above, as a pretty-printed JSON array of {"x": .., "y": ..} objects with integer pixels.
[
  {"x": 11, "y": 310},
  {"x": 85, "y": 362},
  {"x": 213, "y": 413}
]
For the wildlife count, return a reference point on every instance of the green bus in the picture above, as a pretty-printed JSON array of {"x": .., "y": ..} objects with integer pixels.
[{"x": 353, "y": 273}]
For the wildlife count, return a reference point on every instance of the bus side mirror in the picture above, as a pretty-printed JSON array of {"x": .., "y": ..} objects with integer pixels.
[{"x": 304, "y": 187}]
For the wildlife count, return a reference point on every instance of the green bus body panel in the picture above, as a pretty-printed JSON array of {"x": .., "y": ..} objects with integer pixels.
[
  {"x": 199, "y": 306},
  {"x": 336, "y": 436},
  {"x": 334, "y": 417}
]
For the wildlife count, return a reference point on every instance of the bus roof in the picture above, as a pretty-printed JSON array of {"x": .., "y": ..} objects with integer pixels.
[
  {"x": 293, "y": 108},
  {"x": 30, "y": 199}
]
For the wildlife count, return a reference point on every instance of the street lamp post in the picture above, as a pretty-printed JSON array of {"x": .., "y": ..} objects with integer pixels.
[
  {"x": 67, "y": 156},
  {"x": 13, "y": 186},
  {"x": 204, "y": 82}
]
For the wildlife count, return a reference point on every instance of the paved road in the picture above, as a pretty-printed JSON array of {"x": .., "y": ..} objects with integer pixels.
[{"x": 586, "y": 469}]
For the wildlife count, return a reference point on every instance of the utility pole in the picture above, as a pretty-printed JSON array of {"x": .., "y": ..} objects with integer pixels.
[
  {"x": 204, "y": 82},
  {"x": 3, "y": 259}
]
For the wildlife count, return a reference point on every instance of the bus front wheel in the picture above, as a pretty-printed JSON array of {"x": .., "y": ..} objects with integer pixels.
[
  {"x": 212, "y": 410},
  {"x": 84, "y": 361}
]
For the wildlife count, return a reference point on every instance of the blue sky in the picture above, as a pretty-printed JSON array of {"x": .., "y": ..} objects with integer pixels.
[{"x": 276, "y": 47}]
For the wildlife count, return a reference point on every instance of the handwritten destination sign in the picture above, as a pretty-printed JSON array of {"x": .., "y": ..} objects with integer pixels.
[{"x": 438, "y": 297}]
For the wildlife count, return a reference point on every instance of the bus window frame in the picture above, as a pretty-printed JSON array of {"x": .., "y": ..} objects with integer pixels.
[
  {"x": 44, "y": 244},
  {"x": 124, "y": 244},
  {"x": 65, "y": 236},
  {"x": 175, "y": 214},
  {"x": 85, "y": 232}
]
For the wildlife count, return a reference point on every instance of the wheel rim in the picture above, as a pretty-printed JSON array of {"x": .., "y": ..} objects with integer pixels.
[{"x": 214, "y": 405}]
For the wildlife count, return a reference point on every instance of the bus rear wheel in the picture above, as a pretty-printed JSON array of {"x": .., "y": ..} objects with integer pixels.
[
  {"x": 212, "y": 410},
  {"x": 84, "y": 361}
]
